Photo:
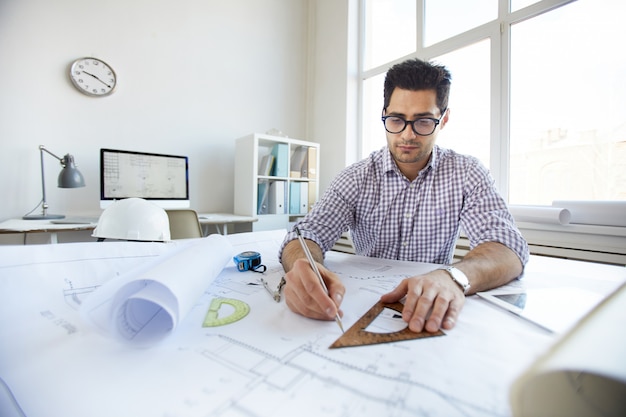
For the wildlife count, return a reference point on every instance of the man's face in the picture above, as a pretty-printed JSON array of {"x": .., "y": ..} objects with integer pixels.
[{"x": 411, "y": 151}]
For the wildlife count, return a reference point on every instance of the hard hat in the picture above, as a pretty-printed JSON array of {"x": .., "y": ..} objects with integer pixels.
[{"x": 133, "y": 219}]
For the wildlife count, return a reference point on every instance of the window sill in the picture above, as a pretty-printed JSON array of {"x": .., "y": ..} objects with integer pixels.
[
  {"x": 605, "y": 244},
  {"x": 577, "y": 241}
]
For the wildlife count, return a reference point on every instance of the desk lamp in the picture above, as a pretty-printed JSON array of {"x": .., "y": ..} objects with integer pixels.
[{"x": 70, "y": 177}]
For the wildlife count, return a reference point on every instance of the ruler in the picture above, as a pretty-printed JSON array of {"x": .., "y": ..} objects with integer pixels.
[
  {"x": 212, "y": 318},
  {"x": 358, "y": 336}
]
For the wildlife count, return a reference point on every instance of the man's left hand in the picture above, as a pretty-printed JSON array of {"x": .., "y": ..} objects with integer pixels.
[{"x": 433, "y": 301}]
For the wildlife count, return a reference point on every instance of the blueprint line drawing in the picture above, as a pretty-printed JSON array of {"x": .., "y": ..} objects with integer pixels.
[{"x": 271, "y": 362}]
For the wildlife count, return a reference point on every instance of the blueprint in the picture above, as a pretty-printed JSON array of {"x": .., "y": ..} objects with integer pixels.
[{"x": 238, "y": 352}]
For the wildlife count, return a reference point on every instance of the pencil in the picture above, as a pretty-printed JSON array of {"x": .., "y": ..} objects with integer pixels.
[{"x": 307, "y": 252}]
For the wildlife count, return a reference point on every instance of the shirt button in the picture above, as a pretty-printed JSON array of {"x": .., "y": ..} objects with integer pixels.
[
  {"x": 405, "y": 244},
  {"x": 408, "y": 215}
]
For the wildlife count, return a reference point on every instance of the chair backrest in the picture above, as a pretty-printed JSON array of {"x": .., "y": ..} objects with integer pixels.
[{"x": 184, "y": 224}]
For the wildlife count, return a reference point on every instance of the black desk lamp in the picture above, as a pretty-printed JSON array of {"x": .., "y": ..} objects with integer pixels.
[{"x": 70, "y": 177}]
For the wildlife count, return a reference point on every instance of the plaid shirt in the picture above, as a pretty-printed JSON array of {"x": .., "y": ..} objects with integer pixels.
[{"x": 391, "y": 217}]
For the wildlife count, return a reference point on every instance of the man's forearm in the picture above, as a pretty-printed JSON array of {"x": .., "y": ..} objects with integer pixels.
[
  {"x": 490, "y": 265},
  {"x": 293, "y": 250}
]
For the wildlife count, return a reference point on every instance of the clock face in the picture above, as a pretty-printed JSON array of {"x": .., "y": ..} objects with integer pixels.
[{"x": 93, "y": 77}]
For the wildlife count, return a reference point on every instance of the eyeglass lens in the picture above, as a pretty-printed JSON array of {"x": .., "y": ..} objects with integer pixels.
[{"x": 423, "y": 127}]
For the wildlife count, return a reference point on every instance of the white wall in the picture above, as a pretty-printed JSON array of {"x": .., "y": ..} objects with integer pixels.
[
  {"x": 332, "y": 109},
  {"x": 193, "y": 76}
]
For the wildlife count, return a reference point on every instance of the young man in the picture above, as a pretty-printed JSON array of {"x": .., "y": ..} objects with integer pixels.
[{"x": 408, "y": 201}]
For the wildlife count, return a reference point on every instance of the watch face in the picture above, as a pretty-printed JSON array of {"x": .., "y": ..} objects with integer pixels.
[{"x": 93, "y": 77}]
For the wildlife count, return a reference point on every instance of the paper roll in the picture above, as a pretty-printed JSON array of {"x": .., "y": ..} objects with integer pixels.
[
  {"x": 603, "y": 213},
  {"x": 540, "y": 214},
  {"x": 583, "y": 374},
  {"x": 146, "y": 304}
]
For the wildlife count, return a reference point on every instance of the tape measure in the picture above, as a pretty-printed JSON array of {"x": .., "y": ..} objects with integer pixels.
[
  {"x": 249, "y": 261},
  {"x": 212, "y": 318}
]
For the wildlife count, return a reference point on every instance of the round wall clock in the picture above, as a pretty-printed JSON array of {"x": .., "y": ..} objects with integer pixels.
[{"x": 93, "y": 77}]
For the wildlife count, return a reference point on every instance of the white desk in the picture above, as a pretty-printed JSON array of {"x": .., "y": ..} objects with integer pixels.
[
  {"x": 223, "y": 219},
  {"x": 20, "y": 226},
  {"x": 17, "y": 226},
  {"x": 271, "y": 362}
]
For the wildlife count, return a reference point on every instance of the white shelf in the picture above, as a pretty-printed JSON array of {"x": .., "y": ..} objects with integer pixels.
[{"x": 299, "y": 184}]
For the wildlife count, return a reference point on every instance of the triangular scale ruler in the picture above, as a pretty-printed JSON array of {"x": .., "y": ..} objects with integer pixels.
[{"x": 358, "y": 336}]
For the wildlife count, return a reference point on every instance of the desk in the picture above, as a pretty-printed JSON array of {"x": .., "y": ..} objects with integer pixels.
[
  {"x": 14, "y": 226},
  {"x": 271, "y": 362},
  {"x": 223, "y": 219},
  {"x": 20, "y": 226}
]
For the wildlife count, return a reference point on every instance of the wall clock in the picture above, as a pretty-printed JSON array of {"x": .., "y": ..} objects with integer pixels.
[{"x": 93, "y": 77}]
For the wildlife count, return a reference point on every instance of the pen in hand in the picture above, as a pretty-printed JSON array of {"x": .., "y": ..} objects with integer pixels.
[{"x": 307, "y": 252}]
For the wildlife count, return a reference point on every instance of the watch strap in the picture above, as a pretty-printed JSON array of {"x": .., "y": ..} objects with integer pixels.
[{"x": 459, "y": 277}]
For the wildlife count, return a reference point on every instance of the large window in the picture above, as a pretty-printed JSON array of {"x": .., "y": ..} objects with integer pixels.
[{"x": 537, "y": 95}]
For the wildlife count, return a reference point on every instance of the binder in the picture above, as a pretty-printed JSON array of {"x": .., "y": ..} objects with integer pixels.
[
  {"x": 294, "y": 197},
  {"x": 266, "y": 164},
  {"x": 276, "y": 199},
  {"x": 311, "y": 163},
  {"x": 297, "y": 162},
  {"x": 312, "y": 195},
  {"x": 304, "y": 169},
  {"x": 280, "y": 151},
  {"x": 304, "y": 198},
  {"x": 262, "y": 197}
]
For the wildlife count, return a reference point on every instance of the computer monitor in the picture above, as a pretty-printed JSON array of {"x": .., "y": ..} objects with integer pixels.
[{"x": 162, "y": 179}]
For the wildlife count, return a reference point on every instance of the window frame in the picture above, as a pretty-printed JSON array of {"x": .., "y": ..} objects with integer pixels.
[
  {"x": 498, "y": 31},
  {"x": 573, "y": 241}
]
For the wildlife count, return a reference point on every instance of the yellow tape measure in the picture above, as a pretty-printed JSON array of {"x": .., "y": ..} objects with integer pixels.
[{"x": 212, "y": 318}]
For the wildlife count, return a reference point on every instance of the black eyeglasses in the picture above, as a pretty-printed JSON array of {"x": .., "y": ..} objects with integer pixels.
[{"x": 423, "y": 126}]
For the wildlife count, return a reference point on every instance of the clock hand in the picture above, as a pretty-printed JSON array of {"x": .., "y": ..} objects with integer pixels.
[{"x": 94, "y": 76}]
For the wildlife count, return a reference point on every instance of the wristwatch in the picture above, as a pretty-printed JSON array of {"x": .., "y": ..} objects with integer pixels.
[{"x": 459, "y": 277}]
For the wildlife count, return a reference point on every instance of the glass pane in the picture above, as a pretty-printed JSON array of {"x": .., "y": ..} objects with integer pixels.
[
  {"x": 520, "y": 4},
  {"x": 373, "y": 131},
  {"x": 568, "y": 105},
  {"x": 447, "y": 18},
  {"x": 468, "y": 126},
  {"x": 390, "y": 31}
]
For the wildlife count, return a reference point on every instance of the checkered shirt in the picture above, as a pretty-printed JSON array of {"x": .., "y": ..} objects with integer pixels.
[{"x": 391, "y": 217}]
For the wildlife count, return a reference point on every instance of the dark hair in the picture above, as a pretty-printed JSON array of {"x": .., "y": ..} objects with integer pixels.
[{"x": 415, "y": 74}]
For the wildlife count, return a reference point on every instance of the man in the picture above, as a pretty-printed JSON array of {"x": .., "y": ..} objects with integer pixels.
[{"x": 408, "y": 201}]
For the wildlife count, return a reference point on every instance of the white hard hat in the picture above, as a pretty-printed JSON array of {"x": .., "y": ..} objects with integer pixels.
[{"x": 133, "y": 219}]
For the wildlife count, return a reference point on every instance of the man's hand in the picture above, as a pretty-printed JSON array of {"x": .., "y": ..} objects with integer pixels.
[
  {"x": 433, "y": 301},
  {"x": 304, "y": 293}
]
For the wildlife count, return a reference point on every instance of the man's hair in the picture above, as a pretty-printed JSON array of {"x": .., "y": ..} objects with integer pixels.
[{"x": 414, "y": 75}]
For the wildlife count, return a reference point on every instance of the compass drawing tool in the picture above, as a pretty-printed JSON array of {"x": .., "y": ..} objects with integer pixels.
[{"x": 306, "y": 250}]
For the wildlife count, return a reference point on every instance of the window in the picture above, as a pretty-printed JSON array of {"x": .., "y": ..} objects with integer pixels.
[
  {"x": 537, "y": 91},
  {"x": 446, "y": 18},
  {"x": 391, "y": 30},
  {"x": 469, "y": 101},
  {"x": 568, "y": 105}
]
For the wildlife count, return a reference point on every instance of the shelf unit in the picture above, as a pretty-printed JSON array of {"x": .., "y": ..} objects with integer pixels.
[{"x": 282, "y": 194}]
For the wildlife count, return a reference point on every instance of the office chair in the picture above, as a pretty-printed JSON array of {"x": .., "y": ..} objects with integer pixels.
[{"x": 184, "y": 224}]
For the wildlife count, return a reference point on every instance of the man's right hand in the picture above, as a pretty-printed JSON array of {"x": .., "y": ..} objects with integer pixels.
[{"x": 303, "y": 291}]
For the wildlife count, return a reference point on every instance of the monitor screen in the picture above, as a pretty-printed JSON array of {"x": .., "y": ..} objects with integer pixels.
[{"x": 162, "y": 179}]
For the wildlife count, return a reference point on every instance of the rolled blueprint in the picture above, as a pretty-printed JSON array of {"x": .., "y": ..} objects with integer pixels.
[
  {"x": 583, "y": 374},
  {"x": 540, "y": 214},
  {"x": 146, "y": 304},
  {"x": 603, "y": 213}
]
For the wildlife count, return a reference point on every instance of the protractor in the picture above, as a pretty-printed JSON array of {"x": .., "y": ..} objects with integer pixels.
[{"x": 224, "y": 311}]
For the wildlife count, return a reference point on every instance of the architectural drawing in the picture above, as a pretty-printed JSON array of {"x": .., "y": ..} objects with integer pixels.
[{"x": 270, "y": 362}]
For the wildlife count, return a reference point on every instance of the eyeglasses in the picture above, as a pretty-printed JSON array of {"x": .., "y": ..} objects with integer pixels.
[{"x": 423, "y": 126}]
